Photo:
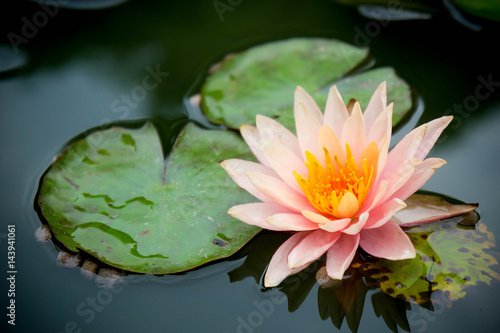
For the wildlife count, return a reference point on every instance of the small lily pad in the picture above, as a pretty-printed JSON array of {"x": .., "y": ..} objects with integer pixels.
[
  {"x": 262, "y": 80},
  {"x": 450, "y": 258},
  {"x": 111, "y": 195}
]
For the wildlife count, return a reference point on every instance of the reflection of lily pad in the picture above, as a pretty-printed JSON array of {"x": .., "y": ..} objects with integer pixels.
[
  {"x": 262, "y": 80},
  {"x": 450, "y": 258},
  {"x": 260, "y": 253},
  {"x": 111, "y": 196},
  {"x": 346, "y": 300},
  {"x": 392, "y": 310}
]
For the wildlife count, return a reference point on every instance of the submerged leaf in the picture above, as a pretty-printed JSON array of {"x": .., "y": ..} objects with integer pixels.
[
  {"x": 450, "y": 258},
  {"x": 262, "y": 80},
  {"x": 111, "y": 196}
]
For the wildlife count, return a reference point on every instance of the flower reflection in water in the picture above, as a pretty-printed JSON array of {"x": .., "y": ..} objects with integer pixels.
[{"x": 453, "y": 257}]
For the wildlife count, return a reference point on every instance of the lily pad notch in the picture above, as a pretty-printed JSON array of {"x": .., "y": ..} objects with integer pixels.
[{"x": 112, "y": 195}]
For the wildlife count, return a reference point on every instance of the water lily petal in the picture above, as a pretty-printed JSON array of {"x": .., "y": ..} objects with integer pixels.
[
  {"x": 356, "y": 227},
  {"x": 383, "y": 213},
  {"x": 376, "y": 106},
  {"x": 405, "y": 150},
  {"x": 329, "y": 140},
  {"x": 237, "y": 170},
  {"x": 348, "y": 206},
  {"x": 315, "y": 217},
  {"x": 291, "y": 221},
  {"x": 434, "y": 129},
  {"x": 311, "y": 248},
  {"x": 354, "y": 132},
  {"x": 270, "y": 130},
  {"x": 301, "y": 96},
  {"x": 425, "y": 208},
  {"x": 256, "y": 214},
  {"x": 284, "y": 162},
  {"x": 335, "y": 225},
  {"x": 340, "y": 254},
  {"x": 423, "y": 171},
  {"x": 375, "y": 197},
  {"x": 279, "y": 191},
  {"x": 399, "y": 178},
  {"x": 252, "y": 137},
  {"x": 387, "y": 241},
  {"x": 307, "y": 127},
  {"x": 382, "y": 127},
  {"x": 371, "y": 155},
  {"x": 383, "y": 150},
  {"x": 335, "y": 112},
  {"x": 278, "y": 268}
]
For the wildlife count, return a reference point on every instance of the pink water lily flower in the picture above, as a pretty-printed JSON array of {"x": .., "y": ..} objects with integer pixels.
[{"x": 335, "y": 183}]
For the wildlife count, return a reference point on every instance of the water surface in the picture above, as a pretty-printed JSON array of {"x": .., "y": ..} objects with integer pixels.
[{"x": 72, "y": 75}]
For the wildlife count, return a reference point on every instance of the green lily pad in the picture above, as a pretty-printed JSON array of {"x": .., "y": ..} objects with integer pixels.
[
  {"x": 262, "y": 80},
  {"x": 488, "y": 9},
  {"x": 450, "y": 258},
  {"x": 112, "y": 196}
]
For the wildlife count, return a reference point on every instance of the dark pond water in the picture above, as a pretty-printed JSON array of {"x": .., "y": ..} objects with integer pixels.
[{"x": 69, "y": 74}]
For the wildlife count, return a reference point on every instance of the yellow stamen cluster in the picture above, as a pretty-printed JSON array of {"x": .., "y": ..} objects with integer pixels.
[{"x": 340, "y": 188}]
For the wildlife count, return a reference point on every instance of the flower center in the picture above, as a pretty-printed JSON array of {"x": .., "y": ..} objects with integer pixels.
[{"x": 339, "y": 189}]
